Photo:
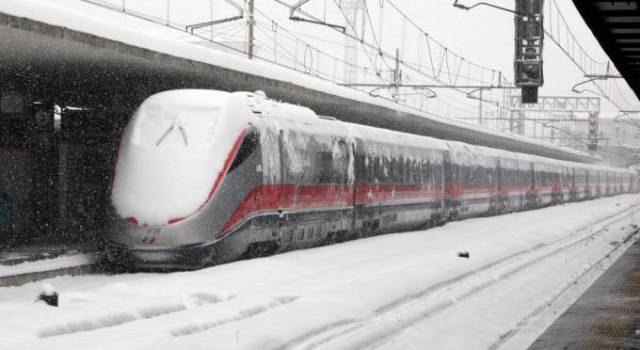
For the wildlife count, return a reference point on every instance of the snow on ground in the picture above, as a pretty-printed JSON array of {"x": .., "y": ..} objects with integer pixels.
[
  {"x": 56, "y": 263},
  {"x": 400, "y": 291}
]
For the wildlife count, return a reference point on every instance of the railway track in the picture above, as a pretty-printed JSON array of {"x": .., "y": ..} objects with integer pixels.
[
  {"x": 376, "y": 331},
  {"x": 22, "y": 278},
  {"x": 411, "y": 284}
]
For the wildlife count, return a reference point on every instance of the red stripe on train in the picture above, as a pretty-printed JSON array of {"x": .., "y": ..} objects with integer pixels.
[
  {"x": 291, "y": 196},
  {"x": 295, "y": 197}
]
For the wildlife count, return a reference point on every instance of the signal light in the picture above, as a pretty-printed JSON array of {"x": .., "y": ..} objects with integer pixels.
[{"x": 528, "y": 48}]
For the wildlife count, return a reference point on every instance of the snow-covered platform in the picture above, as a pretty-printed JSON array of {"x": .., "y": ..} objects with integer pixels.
[
  {"x": 26, "y": 264},
  {"x": 606, "y": 316},
  {"x": 401, "y": 291},
  {"x": 21, "y": 255}
]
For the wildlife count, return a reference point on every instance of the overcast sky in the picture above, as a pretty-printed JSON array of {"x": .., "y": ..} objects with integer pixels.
[
  {"x": 483, "y": 35},
  {"x": 486, "y": 35}
]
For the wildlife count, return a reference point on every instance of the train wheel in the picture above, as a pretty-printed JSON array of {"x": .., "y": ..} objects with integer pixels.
[
  {"x": 260, "y": 249},
  {"x": 438, "y": 220}
]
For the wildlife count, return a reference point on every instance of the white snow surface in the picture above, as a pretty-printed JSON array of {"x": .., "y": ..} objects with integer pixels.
[
  {"x": 172, "y": 152},
  {"x": 84, "y": 17},
  {"x": 42, "y": 265},
  {"x": 398, "y": 291}
]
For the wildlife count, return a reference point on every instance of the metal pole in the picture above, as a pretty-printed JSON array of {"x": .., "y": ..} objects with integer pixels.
[
  {"x": 251, "y": 24},
  {"x": 63, "y": 156},
  {"x": 480, "y": 109},
  {"x": 168, "y": 12},
  {"x": 396, "y": 77},
  {"x": 511, "y": 126}
]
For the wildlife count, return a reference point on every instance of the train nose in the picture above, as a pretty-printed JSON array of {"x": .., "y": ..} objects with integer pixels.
[{"x": 167, "y": 159}]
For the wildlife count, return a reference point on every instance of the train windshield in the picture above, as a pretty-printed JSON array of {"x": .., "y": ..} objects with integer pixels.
[
  {"x": 169, "y": 159},
  {"x": 184, "y": 126}
]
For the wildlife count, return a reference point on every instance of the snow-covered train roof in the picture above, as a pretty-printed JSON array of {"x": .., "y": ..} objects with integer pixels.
[
  {"x": 299, "y": 117},
  {"x": 476, "y": 154},
  {"x": 302, "y": 117}
]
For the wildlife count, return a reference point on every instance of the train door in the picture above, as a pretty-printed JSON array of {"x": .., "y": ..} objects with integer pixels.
[
  {"x": 574, "y": 187},
  {"x": 343, "y": 192},
  {"x": 361, "y": 179},
  {"x": 501, "y": 198},
  {"x": 439, "y": 179},
  {"x": 367, "y": 189},
  {"x": 429, "y": 175},
  {"x": 532, "y": 193},
  {"x": 492, "y": 177},
  {"x": 451, "y": 183},
  {"x": 556, "y": 192},
  {"x": 276, "y": 177},
  {"x": 568, "y": 184},
  {"x": 354, "y": 183},
  {"x": 589, "y": 181}
]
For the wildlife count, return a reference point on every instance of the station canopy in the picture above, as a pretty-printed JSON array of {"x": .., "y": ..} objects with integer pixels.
[{"x": 616, "y": 25}]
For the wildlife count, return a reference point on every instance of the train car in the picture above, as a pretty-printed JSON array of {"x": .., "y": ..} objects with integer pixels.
[
  {"x": 471, "y": 176},
  {"x": 599, "y": 176},
  {"x": 205, "y": 177},
  {"x": 619, "y": 180},
  {"x": 546, "y": 182},
  {"x": 590, "y": 186},
  {"x": 515, "y": 178},
  {"x": 615, "y": 182},
  {"x": 565, "y": 178},
  {"x": 581, "y": 183},
  {"x": 633, "y": 182},
  {"x": 609, "y": 188},
  {"x": 399, "y": 181}
]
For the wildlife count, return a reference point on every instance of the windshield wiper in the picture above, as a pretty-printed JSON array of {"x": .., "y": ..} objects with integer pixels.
[
  {"x": 183, "y": 133},
  {"x": 166, "y": 133}
]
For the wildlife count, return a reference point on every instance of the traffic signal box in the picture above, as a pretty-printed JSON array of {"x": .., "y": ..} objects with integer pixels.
[{"x": 528, "y": 48}]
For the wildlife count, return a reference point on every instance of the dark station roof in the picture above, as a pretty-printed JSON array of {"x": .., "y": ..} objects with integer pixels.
[{"x": 616, "y": 25}]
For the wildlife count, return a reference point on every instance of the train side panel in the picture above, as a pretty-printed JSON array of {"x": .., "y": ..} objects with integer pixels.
[
  {"x": 399, "y": 185},
  {"x": 472, "y": 187},
  {"x": 514, "y": 180}
]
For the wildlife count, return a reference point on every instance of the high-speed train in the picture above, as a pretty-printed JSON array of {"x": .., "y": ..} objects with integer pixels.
[{"x": 204, "y": 177}]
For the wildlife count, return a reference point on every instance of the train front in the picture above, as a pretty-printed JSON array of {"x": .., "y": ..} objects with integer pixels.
[{"x": 169, "y": 163}]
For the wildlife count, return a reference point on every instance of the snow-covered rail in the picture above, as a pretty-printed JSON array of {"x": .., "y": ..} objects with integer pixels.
[
  {"x": 33, "y": 271},
  {"x": 399, "y": 291},
  {"x": 420, "y": 307}
]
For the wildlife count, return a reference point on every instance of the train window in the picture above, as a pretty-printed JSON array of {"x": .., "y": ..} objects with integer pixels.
[
  {"x": 176, "y": 126},
  {"x": 377, "y": 169},
  {"x": 393, "y": 171},
  {"x": 386, "y": 170},
  {"x": 326, "y": 168},
  {"x": 342, "y": 161},
  {"x": 360, "y": 165},
  {"x": 249, "y": 145}
]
